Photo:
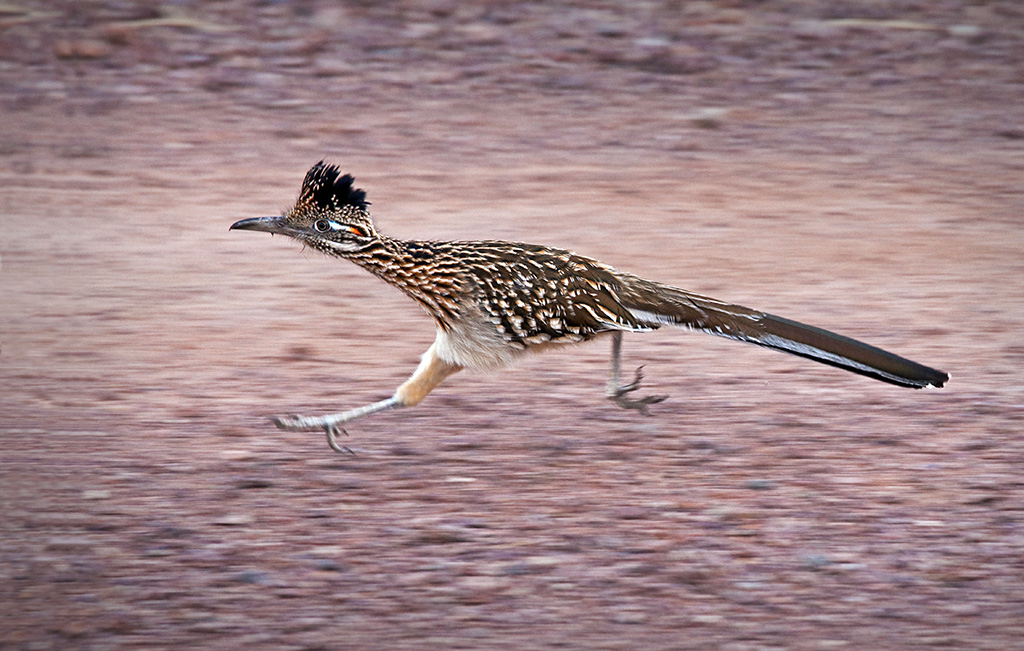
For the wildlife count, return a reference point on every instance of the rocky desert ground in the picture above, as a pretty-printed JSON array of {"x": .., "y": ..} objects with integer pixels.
[{"x": 854, "y": 165}]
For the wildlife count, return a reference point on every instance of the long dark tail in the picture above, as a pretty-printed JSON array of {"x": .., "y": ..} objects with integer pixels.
[
  {"x": 856, "y": 356},
  {"x": 655, "y": 305}
]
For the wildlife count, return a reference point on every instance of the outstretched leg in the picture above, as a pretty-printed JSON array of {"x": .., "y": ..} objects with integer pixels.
[
  {"x": 430, "y": 373},
  {"x": 618, "y": 391}
]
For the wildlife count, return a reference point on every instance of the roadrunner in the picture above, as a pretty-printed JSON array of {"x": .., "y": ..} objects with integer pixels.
[{"x": 493, "y": 301}]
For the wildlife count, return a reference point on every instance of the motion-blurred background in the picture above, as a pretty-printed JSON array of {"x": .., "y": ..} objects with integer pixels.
[{"x": 854, "y": 165}]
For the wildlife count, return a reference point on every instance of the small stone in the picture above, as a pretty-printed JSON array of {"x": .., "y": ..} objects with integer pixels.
[
  {"x": 481, "y": 34},
  {"x": 543, "y": 561},
  {"x": 964, "y": 31},
  {"x": 421, "y": 29},
  {"x": 612, "y": 30},
  {"x": 327, "y": 565},
  {"x": 708, "y": 117},
  {"x": 849, "y": 567},
  {"x": 253, "y": 576},
  {"x": 632, "y": 513},
  {"x": 707, "y": 619},
  {"x": 236, "y": 455},
  {"x": 629, "y": 616},
  {"x": 815, "y": 561},
  {"x": 234, "y": 520},
  {"x": 1009, "y": 134},
  {"x": 652, "y": 42},
  {"x": 84, "y": 48}
]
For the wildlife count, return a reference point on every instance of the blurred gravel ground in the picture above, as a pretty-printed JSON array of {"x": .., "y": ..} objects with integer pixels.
[{"x": 856, "y": 165}]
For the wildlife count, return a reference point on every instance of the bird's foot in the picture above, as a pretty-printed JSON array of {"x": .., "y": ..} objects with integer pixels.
[
  {"x": 332, "y": 433},
  {"x": 620, "y": 395},
  {"x": 307, "y": 423},
  {"x": 331, "y": 424}
]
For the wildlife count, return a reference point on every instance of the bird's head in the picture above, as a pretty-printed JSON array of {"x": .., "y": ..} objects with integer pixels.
[{"x": 330, "y": 215}]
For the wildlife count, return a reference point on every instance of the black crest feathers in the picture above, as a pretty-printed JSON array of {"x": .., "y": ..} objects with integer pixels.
[{"x": 326, "y": 188}]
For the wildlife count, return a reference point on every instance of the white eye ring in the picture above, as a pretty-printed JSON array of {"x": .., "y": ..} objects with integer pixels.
[{"x": 323, "y": 225}]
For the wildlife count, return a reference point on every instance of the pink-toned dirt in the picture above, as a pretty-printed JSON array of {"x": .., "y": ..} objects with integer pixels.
[{"x": 857, "y": 166}]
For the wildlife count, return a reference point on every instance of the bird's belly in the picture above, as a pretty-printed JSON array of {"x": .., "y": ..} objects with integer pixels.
[
  {"x": 475, "y": 343},
  {"x": 472, "y": 344}
]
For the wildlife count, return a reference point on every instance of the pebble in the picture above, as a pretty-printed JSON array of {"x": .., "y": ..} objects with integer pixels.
[
  {"x": 629, "y": 616},
  {"x": 707, "y": 619},
  {"x": 815, "y": 561},
  {"x": 234, "y": 520},
  {"x": 253, "y": 576},
  {"x": 238, "y": 454},
  {"x": 84, "y": 48},
  {"x": 543, "y": 561},
  {"x": 964, "y": 31},
  {"x": 708, "y": 117}
]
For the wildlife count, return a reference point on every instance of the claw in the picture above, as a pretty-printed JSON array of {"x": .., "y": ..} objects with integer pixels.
[
  {"x": 638, "y": 377},
  {"x": 332, "y": 432},
  {"x": 619, "y": 395},
  {"x": 303, "y": 423}
]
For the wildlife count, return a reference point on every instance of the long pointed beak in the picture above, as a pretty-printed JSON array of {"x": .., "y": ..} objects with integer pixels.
[{"x": 266, "y": 224}]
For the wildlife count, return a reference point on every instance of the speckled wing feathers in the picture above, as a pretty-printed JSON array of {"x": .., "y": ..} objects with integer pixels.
[{"x": 534, "y": 294}]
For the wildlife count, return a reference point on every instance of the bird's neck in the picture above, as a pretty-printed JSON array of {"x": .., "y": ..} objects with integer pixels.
[{"x": 415, "y": 268}]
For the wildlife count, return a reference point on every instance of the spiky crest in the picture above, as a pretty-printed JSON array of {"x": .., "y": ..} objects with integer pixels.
[{"x": 325, "y": 189}]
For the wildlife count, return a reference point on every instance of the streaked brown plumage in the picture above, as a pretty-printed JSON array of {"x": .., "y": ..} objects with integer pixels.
[{"x": 492, "y": 301}]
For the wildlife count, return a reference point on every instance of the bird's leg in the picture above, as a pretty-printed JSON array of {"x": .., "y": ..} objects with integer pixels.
[
  {"x": 331, "y": 423},
  {"x": 430, "y": 373},
  {"x": 618, "y": 391}
]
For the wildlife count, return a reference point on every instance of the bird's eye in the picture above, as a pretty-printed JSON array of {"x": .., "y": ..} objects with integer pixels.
[{"x": 322, "y": 225}]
